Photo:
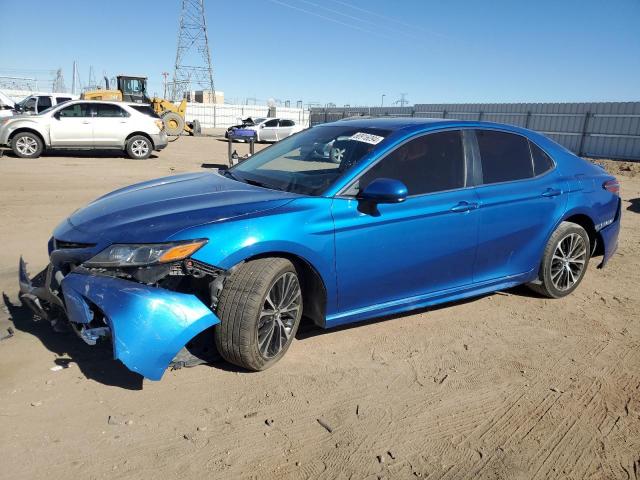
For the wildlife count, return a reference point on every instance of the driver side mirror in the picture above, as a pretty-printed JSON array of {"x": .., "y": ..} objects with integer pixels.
[
  {"x": 384, "y": 190},
  {"x": 57, "y": 115}
]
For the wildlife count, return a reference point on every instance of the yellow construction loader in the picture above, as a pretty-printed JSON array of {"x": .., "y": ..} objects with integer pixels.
[{"x": 134, "y": 89}]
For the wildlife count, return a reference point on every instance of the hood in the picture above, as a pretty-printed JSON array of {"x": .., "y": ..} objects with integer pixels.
[
  {"x": 6, "y": 101},
  {"x": 153, "y": 211}
]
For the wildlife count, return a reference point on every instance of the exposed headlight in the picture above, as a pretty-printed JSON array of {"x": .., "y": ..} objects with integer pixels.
[{"x": 136, "y": 255}]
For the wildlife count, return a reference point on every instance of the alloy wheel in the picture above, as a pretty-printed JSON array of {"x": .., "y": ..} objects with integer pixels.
[
  {"x": 568, "y": 261},
  {"x": 26, "y": 145},
  {"x": 140, "y": 148},
  {"x": 279, "y": 314}
]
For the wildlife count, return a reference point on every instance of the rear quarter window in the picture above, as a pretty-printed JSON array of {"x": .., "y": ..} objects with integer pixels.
[
  {"x": 505, "y": 156},
  {"x": 146, "y": 110},
  {"x": 541, "y": 161}
]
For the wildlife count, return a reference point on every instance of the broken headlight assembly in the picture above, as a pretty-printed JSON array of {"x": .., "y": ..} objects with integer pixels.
[{"x": 122, "y": 255}]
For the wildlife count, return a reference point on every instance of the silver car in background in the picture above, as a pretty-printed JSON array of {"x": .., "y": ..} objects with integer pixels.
[{"x": 86, "y": 124}]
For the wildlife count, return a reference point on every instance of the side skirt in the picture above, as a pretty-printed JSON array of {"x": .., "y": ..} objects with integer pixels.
[{"x": 421, "y": 301}]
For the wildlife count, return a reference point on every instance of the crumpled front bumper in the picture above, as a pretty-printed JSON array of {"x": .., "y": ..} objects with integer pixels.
[{"x": 148, "y": 325}]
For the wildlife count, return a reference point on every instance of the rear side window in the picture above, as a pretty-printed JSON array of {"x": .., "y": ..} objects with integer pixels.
[
  {"x": 541, "y": 161},
  {"x": 505, "y": 156},
  {"x": 430, "y": 163},
  {"x": 145, "y": 109},
  {"x": 106, "y": 110},
  {"x": 62, "y": 99}
]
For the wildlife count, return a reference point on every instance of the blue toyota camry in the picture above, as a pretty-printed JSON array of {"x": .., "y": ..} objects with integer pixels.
[{"x": 342, "y": 222}]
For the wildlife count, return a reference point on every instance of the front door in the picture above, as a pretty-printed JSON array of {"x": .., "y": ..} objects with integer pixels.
[
  {"x": 521, "y": 198},
  {"x": 393, "y": 253},
  {"x": 269, "y": 131},
  {"x": 72, "y": 126}
]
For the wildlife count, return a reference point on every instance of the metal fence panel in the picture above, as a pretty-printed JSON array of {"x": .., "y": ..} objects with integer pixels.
[{"x": 602, "y": 129}]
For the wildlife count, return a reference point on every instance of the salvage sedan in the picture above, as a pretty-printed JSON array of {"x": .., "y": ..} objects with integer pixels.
[{"x": 408, "y": 213}]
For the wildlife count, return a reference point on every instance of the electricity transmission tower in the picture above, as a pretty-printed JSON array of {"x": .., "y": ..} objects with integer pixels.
[
  {"x": 403, "y": 100},
  {"x": 58, "y": 83},
  {"x": 193, "y": 69}
]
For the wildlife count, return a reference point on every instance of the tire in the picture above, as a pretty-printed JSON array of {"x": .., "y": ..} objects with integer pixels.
[
  {"x": 242, "y": 336},
  {"x": 27, "y": 145},
  {"x": 196, "y": 128},
  {"x": 569, "y": 241},
  {"x": 139, "y": 147},
  {"x": 173, "y": 123}
]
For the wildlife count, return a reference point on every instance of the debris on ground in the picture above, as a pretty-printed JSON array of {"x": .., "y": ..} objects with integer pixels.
[
  {"x": 325, "y": 425},
  {"x": 10, "y": 333}
]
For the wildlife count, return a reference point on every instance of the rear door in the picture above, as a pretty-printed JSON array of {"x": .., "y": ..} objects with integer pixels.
[
  {"x": 522, "y": 197},
  {"x": 72, "y": 126},
  {"x": 110, "y": 125}
]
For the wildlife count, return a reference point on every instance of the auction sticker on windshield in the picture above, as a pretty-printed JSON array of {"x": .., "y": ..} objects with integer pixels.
[{"x": 366, "y": 138}]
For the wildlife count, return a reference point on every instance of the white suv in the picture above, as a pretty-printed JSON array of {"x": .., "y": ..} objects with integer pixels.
[{"x": 86, "y": 124}]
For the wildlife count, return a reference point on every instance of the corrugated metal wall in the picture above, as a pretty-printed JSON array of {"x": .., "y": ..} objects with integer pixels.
[
  {"x": 210, "y": 115},
  {"x": 600, "y": 130}
]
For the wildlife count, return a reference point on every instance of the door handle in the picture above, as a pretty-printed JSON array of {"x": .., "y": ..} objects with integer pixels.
[
  {"x": 464, "y": 207},
  {"x": 551, "y": 192},
  {"x": 86, "y": 123}
]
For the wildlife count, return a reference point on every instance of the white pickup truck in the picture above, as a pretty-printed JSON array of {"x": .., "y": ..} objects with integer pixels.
[{"x": 38, "y": 103}]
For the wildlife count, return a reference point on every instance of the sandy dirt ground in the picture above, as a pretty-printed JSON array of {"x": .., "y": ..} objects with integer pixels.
[{"x": 506, "y": 386}]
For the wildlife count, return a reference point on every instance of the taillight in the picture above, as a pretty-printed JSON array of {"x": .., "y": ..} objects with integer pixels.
[{"x": 612, "y": 186}]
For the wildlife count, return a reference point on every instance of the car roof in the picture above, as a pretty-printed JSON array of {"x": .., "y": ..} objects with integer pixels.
[{"x": 409, "y": 124}]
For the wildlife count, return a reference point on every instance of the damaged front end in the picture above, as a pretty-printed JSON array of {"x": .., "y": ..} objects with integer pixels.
[{"x": 149, "y": 312}]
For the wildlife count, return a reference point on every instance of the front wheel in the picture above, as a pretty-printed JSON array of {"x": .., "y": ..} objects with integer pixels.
[
  {"x": 260, "y": 308},
  {"x": 27, "y": 145},
  {"x": 564, "y": 262}
]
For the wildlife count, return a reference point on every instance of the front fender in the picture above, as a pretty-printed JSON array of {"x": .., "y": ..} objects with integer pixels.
[{"x": 148, "y": 325}]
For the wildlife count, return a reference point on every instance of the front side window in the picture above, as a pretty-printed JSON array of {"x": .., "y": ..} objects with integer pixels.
[
  {"x": 430, "y": 163},
  {"x": 76, "y": 110},
  {"x": 43, "y": 103},
  {"x": 310, "y": 161},
  {"x": 110, "y": 111},
  {"x": 286, "y": 123},
  {"x": 30, "y": 104},
  {"x": 271, "y": 123},
  {"x": 505, "y": 156},
  {"x": 62, "y": 99}
]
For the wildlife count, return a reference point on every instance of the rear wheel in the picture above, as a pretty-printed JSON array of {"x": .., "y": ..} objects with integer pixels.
[
  {"x": 139, "y": 147},
  {"x": 259, "y": 309},
  {"x": 564, "y": 262},
  {"x": 27, "y": 145},
  {"x": 173, "y": 123}
]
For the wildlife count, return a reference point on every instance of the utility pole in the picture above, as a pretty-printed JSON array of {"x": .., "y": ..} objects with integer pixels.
[
  {"x": 165, "y": 75},
  {"x": 193, "y": 67},
  {"x": 73, "y": 79},
  {"x": 382, "y": 102}
]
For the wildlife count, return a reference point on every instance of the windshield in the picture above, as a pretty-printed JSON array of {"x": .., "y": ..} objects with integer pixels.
[{"x": 310, "y": 161}]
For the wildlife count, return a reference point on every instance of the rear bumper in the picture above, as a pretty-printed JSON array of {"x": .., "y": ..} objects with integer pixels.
[
  {"x": 160, "y": 140},
  {"x": 609, "y": 236},
  {"x": 148, "y": 326}
]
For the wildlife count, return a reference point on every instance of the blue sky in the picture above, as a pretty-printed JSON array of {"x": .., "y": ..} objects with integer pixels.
[{"x": 347, "y": 51}]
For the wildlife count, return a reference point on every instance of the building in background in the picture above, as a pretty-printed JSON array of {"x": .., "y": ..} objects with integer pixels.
[{"x": 205, "y": 96}]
